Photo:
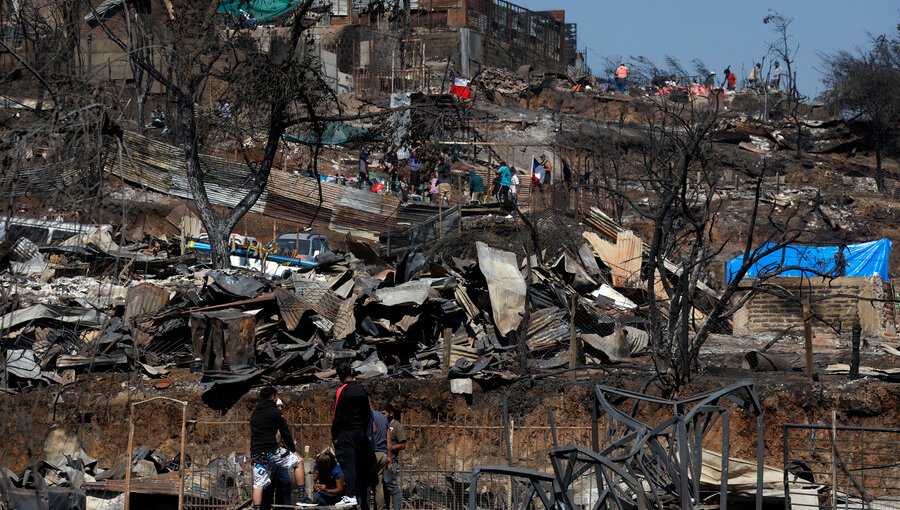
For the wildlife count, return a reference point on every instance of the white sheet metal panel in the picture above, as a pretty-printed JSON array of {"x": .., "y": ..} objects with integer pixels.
[{"x": 506, "y": 286}]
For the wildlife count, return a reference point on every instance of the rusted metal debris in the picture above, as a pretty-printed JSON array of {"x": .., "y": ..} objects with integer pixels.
[
  {"x": 387, "y": 316},
  {"x": 639, "y": 465}
]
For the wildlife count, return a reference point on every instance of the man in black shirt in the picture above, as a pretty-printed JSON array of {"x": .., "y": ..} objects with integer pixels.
[
  {"x": 348, "y": 431},
  {"x": 265, "y": 421}
]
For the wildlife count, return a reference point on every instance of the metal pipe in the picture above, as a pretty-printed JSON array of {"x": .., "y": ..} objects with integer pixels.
[
  {"x": 181, "y": 457},
  {"x": 784, "y": 449},
  {"x": 726, "y": 451},
  {"x": 575, "y": 352},
  {"x": 760, "y": 451},
  {"x": 128, "y": 458},
  {"x": 683, "y": 459},
  {"x": 552, "y": 419},
  {"x": 834, "y": 482},
  {"x": 507, "y": 434},
  {"x": 697, "y": 459}
]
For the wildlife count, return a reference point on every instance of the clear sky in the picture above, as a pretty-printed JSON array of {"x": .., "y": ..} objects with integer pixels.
[{"x": 722, "y": 33}]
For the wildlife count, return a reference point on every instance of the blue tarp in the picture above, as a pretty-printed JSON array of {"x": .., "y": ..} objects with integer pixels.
[{"x": 863, "y": 259}]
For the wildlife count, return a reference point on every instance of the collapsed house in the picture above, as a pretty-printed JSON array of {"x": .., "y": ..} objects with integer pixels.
[
  {"x": 481, "y": 295},
  {"x": 831, "y": 286},
  {"x": 242, "y": 328}
]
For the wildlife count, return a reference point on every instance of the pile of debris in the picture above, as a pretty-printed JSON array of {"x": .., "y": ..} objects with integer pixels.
[
  {"x": 426, "y": 316},
  {"x": 70, "y": 478},
  {"x": 816, "y": 136},
  {"x": 502, "y": 81}
]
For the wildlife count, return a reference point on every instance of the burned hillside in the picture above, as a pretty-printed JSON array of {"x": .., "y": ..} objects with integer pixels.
[{"x": 573, "y": 290}]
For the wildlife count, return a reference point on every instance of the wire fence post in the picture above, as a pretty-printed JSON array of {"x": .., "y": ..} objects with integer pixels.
[{"x": 576, "y": 353}]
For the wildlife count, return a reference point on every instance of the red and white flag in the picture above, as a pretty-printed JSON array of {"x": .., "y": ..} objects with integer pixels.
[
  {"x": 537, "y": 171},
  {"x": 461, "y": 88}
]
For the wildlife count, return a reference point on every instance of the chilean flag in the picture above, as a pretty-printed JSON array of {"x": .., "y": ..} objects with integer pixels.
[
  {"x": 537, "y": 172},
  {"x": 460, "y": 88}
]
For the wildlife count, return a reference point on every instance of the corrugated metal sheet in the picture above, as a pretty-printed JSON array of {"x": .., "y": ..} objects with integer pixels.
[
  {"x": 160, "y": 167},
  {"x": 49, "y": 178},
  {"x": 413, "y": 213},
  {"x": 139, "y": 165},
  {"x": 142, "y": 300},
  {"x": 547, "y": 328},
  {"x": 178, "y": 212},
  {"x": 351, "y": 217}
]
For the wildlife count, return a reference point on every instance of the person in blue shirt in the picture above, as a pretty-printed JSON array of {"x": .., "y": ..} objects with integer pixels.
[
  {"x": 328, "y": 480},
  {"x": 476, "y": 187},
  {"x": 505, "y": 181},
  {"x": 379, "y": 437}
]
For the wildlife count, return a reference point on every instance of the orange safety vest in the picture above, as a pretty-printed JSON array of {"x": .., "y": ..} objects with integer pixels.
[{"x": 621, "y": 72}]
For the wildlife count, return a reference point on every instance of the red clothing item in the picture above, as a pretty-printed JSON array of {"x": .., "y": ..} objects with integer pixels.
[{"x": 732, "y": 81}]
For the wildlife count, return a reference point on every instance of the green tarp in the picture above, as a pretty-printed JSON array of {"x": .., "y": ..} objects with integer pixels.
[
  {"x": 336, "y": 133},
  {"x": 262, "y": 10}
]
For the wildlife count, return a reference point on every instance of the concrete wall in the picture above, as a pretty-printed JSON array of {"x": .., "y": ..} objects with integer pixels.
[{"x": 834, "y": 305}]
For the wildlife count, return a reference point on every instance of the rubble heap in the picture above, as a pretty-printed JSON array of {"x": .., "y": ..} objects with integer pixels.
[{"x": 453, "y": 312}]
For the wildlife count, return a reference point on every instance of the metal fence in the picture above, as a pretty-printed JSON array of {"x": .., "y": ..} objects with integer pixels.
[
  {"x": 841, "y": 467},
  {"x": 435, "y": 467},
  {"x": 517, "y": 25}
]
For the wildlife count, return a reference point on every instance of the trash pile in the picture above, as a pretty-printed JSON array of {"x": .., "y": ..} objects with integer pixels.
[
  {"x": 68, "y": 477},
  {"x": 502, "y": 81},
  {"x": 817, "y": 136},
  {"x": 454, "y": 316}
]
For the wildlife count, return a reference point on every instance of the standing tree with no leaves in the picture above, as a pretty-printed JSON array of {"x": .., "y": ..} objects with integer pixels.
[
  {"x": 56, "y": 119},
  {"x": 269, "y": 78},
  {"x": 782, "y": 49},
  {"x": 867, "y": 85},
  {"x": 679, "y": 174}
]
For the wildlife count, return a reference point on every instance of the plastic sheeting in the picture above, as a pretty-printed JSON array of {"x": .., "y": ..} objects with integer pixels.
[
  {"x": 262, "y": 10},
  {"x": 863, "y": 260},
  {"x": 335, "y": 133}
]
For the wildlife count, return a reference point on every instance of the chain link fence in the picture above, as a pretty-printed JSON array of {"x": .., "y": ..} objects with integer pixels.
[
  {"x": 435, "y": 467},
  {"x": 841, "y": 467}
]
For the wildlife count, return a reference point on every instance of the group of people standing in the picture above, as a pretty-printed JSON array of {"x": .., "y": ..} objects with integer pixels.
[
  {"x": 364, "y": 458},
  {"x": 757, "y": 81},
  {"x": 437, "y": 187},
  {"x": 503, "y": 188},
  {"x": 505, "y": 185}
]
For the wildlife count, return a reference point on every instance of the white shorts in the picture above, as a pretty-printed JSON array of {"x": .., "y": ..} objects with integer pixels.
[
  {"x": 285, "y": 459},
  {"x": 261, "y": 475}
]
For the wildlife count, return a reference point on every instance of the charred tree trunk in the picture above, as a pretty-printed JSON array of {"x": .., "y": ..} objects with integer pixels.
[
  {"x": 219, "y": 244},
  {"x": 141, "y": 93},
  {"x": 216, "y": 229},
  {"x": 143, "y": 81}
]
